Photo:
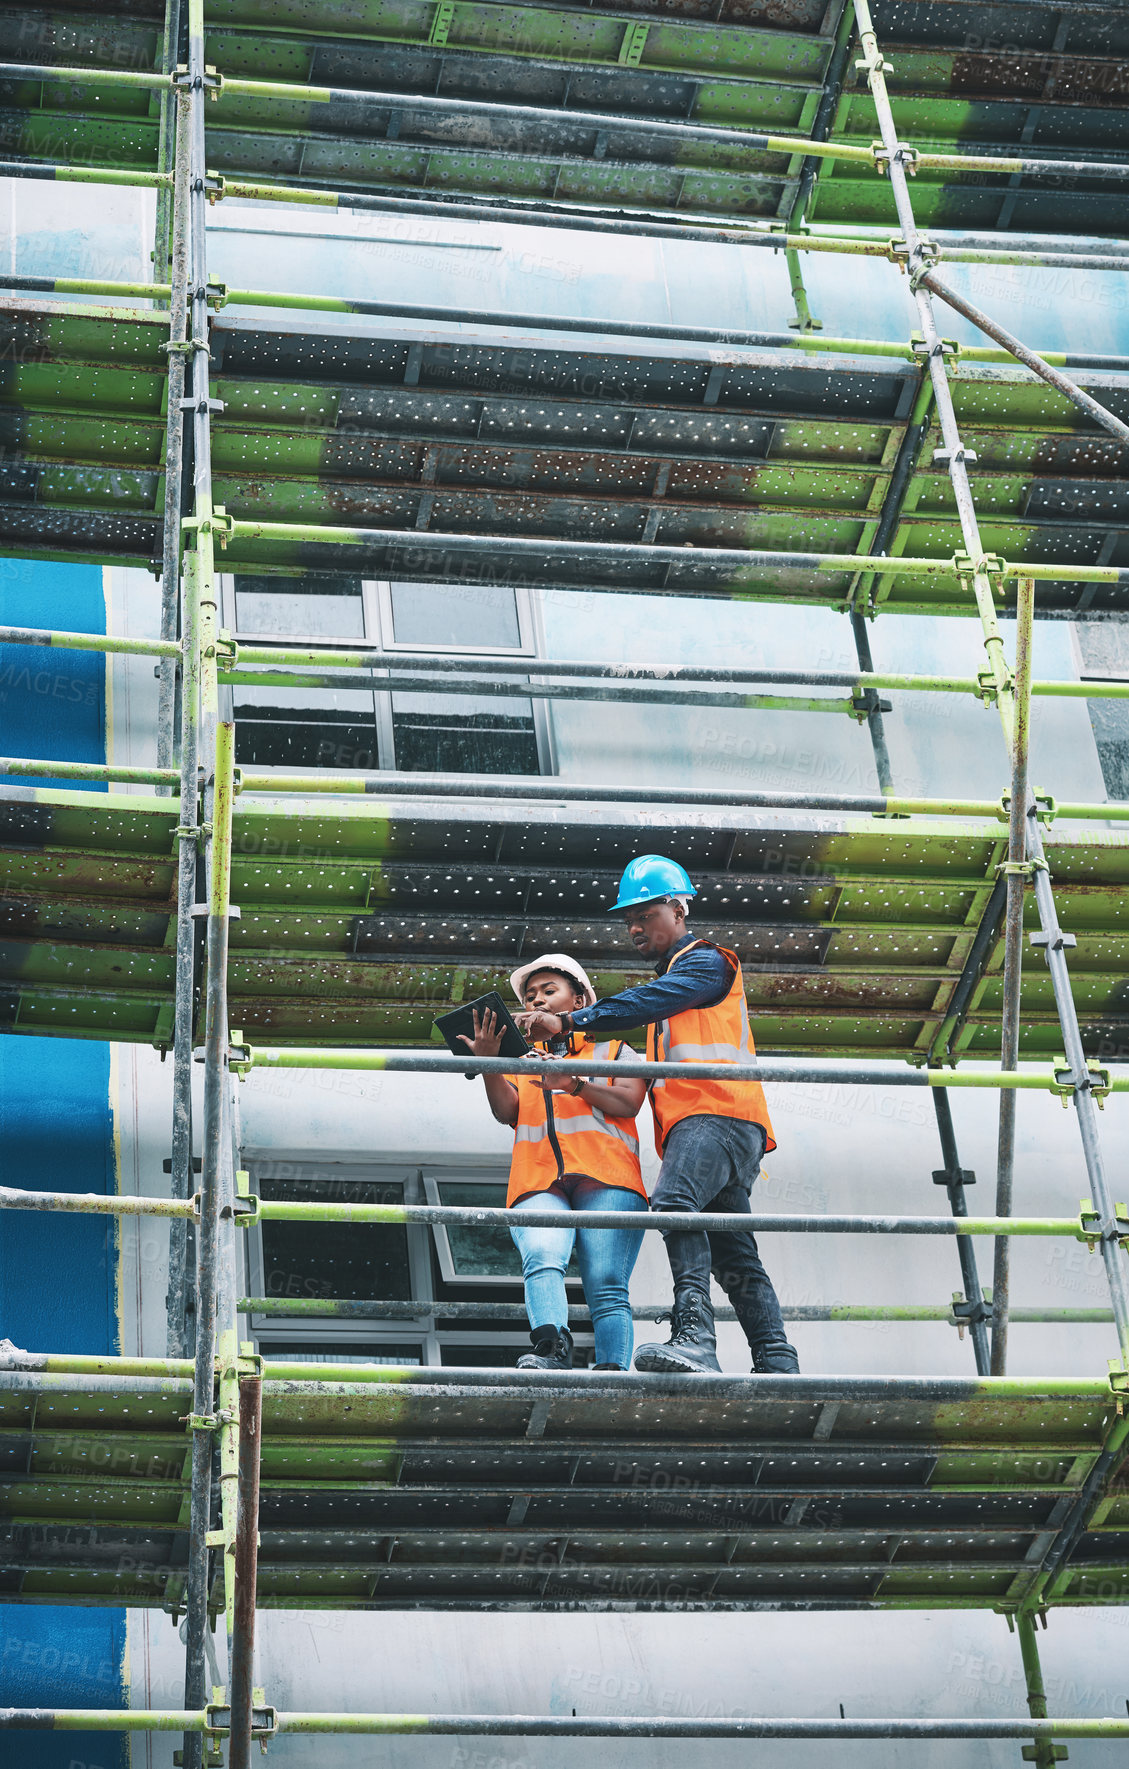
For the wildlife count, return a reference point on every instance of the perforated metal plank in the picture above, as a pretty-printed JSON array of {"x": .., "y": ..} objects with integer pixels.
[
  {"x": 394, "y": 1488},
  {"x": 753, "y": 66},
  {"x": 543, "y": 439},
  {"x": 359, "y": 924}
]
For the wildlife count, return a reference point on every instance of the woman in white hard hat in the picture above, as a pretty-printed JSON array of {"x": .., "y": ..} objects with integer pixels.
[{"x": 576, "y": 1150}]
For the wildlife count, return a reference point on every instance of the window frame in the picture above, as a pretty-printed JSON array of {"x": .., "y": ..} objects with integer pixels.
[
  {"x": 422, "y": 1332},
  {"x": 433, "y": 1177},
  {"x": 379, "y": 638},
  {"x": 1087, "y": 672}
]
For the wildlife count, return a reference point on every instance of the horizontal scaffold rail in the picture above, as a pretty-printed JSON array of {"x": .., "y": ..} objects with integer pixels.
[
  {"x": 538, "y": 788},
  {"x": 250, "y": 1210},
  {"x": 215, "y": 1722},
  {"x": 508, "y": 786},
  {"x": 619, "y": 677},
  {"x": 612, "y": 122},
  {"x": 220, "y": 296},
  {"x": 636, "y": 222},
  {"x": 350, "y": 1308},
  {"x": 772, "y": 1070},
  {"x": 98, "y": 1373}
]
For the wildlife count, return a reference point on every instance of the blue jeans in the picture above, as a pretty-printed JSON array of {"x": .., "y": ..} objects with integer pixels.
[
  {"x": 710, "y": 1164},
  {"x": 605, "y": 1256}
]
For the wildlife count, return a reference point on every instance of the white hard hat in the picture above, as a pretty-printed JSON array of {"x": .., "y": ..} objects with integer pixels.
[{"x": 558, "y": 961}]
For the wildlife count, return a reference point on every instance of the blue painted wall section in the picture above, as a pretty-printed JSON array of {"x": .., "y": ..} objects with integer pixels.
[
  {"x": 52, "y": 703},
  {"x": 57, "y": 1272}
]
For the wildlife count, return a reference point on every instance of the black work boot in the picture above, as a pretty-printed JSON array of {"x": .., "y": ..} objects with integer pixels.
[
  {"x": 692, "y": 1344},
  {"x": 552, "y": 1350},
  {"x": 775, "y": 1360}
]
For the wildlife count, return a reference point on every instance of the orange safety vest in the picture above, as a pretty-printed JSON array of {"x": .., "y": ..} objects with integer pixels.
[
  {"x": 558, "y": 1134},
  {"x": 718, "y": 1034}
]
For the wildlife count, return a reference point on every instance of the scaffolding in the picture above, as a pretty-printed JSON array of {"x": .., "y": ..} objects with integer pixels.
[{"x": 1007, "y": 1492}]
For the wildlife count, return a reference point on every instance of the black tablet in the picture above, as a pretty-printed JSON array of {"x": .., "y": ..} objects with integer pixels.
[{"x": 514, "y": 1043}]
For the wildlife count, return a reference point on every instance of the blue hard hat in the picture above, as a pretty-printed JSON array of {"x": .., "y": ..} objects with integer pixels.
[{"x": 649, "y": 878}]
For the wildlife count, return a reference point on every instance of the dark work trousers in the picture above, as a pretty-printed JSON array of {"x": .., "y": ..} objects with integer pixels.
[{"x": 710, "y": 1164}]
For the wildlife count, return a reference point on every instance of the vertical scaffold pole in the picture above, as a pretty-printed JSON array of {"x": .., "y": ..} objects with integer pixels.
[
  {"x": 953, "y": 1177},
  {"x": 165, "y": 138},
  {"x": 1044, "y": 1753},
  {"x": 1054, "y": 942},
  {"x": 246, "y": 1571},
  {"x": 188, "y": 833},
  {"x": 217, "y": 770},
  {"x": 227, "y": 1286},
  {"x": 952, "y": 455},
  {"x": 811, "y": 166},
  {"x": 174, "y": 428},
  {"x": 1015, "y": 870},
  {"x": 877, "y": 729}
]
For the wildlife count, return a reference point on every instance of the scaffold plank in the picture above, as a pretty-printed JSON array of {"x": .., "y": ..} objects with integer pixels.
[
  {"x": 754, "y": 66},
  {"x": 358, "y": 927},
  {"x": 393, "y": 1487},
  {"x": 546, "y": 437}
]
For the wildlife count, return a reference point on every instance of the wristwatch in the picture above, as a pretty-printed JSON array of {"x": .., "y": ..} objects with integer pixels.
[{"x": 578, "y": 1085}]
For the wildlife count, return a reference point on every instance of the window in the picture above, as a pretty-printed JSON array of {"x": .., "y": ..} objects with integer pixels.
[
  {"x": 365, "y": 728},
  {"x": 419, "y": 1268},
  {"x": 1103, "y": 647}
]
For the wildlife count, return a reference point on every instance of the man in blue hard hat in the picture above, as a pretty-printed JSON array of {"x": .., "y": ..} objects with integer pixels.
[{"x": 710, "y": 1134}]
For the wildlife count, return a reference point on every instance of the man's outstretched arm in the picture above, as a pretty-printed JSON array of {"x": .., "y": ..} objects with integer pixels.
[{"x": 701, "y": 978}]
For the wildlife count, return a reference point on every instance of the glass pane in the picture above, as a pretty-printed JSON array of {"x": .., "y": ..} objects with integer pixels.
[
  {"x": 344, "y": 1259},
  {"x": 1104, "y": 645},
  {"x": 497, "y": 1356},
  {"x": 478, "y": 617},
  {"x": 316, "y": 608},
  {"x": 479, "y": 1252},
  {"x": 281, "y": 741},
  {"x": 307, "y": 1352},
  {"x": 483, "y": 743}
]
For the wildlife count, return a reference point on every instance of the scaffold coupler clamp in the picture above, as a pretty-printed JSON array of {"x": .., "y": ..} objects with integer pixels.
[
  {"x": 916, "y": 263},
  {"x": 1020, "y": 868},
  {"x": 906, "y": 156},
  {"x": 264, "y": 1719},
  {"x": 209, "y": 81},
  {"x": 944, "y": 457},
  {"x": 246, "y": 1213},
  {"x": 943, "y": 346},
  {"x": 240, "y": 1056},
  {"x": 186, "y": 347},
  {"x": 249, "y": 1362},
  {"x": 215, "y": 187},
  {"x": 1092, "y": 1229},
  {"x": 1046, "y": 1751},
  {"x": 988, "y": 690},
  {"x": 206, "y": 1422},
  {"x": 1095, "y": 1080},
  {"x": 1119, "y": 1382},
  {"x": 1055, "y": 940},
  {"x": 871, "y": 60},
  {"x": 867, "y": 702},
  {"x": 988, "y": 565},
  {"x": 223, "y": 527},
  {"x": 969, "y": 1313}
]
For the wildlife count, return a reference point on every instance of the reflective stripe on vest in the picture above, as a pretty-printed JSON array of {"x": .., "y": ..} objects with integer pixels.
[
  {"x": 717, "y": 1034},
  {"x": 590, "y": 1142},
  {"x": 578, "y": 1126}
]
